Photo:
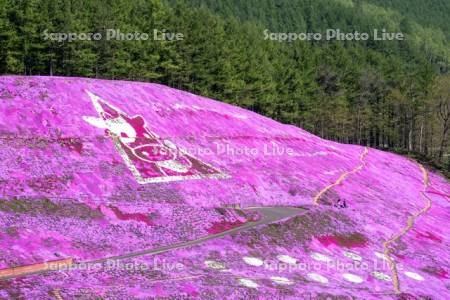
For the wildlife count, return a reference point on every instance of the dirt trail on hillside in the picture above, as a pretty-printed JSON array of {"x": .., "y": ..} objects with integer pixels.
[
  {"x": 405, "y": 230},
  {"x": 343, "y": 176},
  {"x": 410, "y": 222}
]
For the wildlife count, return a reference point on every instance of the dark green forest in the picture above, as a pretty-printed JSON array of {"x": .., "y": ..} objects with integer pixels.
[{"x": 392, "y": 95}]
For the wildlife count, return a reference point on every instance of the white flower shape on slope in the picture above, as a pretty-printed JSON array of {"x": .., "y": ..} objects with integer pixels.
[
  {"x": 352, "y": 255},
  {"x": 352, "y": 278},
  {"x": 381, "y": 276},
  {"x": 380, "y": 255},
  {"x": 281, "y": 280},
  {"x": 213, "y": 264},
  {"x": 248, "y": 283},
  {"x": 414, "y": 276},
  {"x": 320, "y": 257},
  {"x": 253, "y": 261},
  {"x": 317, "y": 277},
  {"x": 287, "y": 259}
]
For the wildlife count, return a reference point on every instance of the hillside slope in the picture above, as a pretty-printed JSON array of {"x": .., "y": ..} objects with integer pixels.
[
  {"x": 385, "y": 94},
  {"x": 92, "y": 169}
]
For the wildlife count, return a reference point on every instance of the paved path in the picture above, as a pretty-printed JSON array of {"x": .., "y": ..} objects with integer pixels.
[{"x": 269, "y": 215}]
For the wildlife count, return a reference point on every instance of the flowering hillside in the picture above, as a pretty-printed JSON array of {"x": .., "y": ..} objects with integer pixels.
[{"x": 154, "y": 192}]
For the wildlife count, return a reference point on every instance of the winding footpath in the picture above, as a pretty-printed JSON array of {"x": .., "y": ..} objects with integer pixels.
[
  {"x": 405, "y": 230},
  {"x": 410, "y": 222},
  {"x": 343, "y": 176}
]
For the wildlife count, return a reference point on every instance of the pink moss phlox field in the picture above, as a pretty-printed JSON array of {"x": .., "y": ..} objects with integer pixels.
[{"x": 91, "y": 169}]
